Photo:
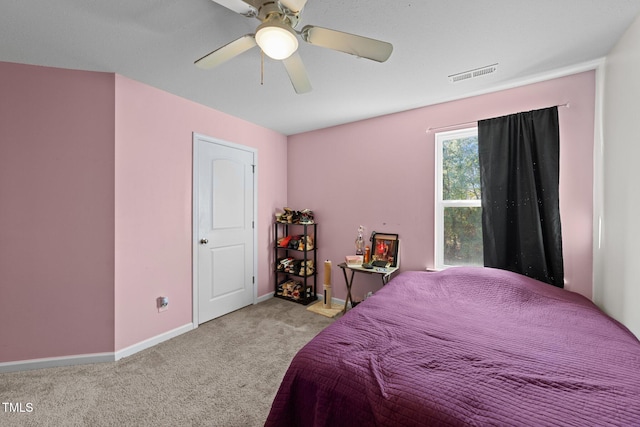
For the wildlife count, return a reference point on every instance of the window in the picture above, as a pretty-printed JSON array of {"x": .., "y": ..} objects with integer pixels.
[{"x": 458, "y": 227}]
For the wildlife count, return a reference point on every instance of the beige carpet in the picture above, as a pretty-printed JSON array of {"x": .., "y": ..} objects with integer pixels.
[{"x": 225, "y": 373}]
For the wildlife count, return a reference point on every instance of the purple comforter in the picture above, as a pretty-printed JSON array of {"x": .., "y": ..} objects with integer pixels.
[{"x": 466, "y": 346}]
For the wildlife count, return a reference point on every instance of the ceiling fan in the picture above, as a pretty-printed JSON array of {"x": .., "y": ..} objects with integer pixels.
[{"x": 276, "y": 36}]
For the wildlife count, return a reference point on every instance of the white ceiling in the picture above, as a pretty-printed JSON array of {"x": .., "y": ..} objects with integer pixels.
[{"x": 157, "y": 41}]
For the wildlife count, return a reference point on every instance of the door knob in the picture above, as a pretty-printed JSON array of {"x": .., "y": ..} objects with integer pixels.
[{"x": 204, "y": 241}]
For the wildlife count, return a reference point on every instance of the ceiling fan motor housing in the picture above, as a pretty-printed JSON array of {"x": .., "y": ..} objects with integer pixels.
[{"x": 269, "y": 10}]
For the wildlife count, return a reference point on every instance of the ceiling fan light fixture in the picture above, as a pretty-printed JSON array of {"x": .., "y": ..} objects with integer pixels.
[{"x": 276, "y": 39}]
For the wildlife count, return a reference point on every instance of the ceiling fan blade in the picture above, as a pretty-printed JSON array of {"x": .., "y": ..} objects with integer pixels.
[
  {"x": 294, "y": 6},
  {"x": 363, "y": 47},
  {"x": 238, "y": 6},
  {"x": 226, "y": 52},
  {"x": 297, "y": 73}
]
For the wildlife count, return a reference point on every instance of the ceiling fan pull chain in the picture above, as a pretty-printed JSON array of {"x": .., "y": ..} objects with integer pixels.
[{"x": 261, "y": 68}]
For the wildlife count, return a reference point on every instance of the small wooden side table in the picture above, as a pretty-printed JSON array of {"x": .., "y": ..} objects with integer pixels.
[{"x": 384, "y": 273}]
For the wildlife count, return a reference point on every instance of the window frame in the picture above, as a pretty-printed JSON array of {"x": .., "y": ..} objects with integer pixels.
[{"x": 439, "y": 204}]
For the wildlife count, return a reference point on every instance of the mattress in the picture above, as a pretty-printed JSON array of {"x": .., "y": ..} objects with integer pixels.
[{"x": 462, "y": 347}]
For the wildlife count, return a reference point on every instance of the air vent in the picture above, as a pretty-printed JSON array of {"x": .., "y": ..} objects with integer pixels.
[{"x": 472, "y": 74}]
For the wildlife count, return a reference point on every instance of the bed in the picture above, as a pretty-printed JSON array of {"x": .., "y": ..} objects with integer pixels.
[{"x": 465, "y": 346}]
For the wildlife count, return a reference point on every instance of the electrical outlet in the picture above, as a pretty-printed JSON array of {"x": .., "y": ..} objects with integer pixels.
[{"x": 162, "y": 303}]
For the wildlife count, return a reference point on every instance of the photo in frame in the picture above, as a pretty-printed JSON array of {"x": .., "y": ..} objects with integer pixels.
[{"x": 384, "y": 248}]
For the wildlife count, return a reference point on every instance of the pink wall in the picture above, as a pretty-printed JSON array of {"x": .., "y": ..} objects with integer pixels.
[
  {"x": 95, "y": 198},
  {"x": 56, "y": 212},
  {"x": 380, "y": 173},
  {"x": 153, "y": 203},
  {"x": 95, "y": 208}
]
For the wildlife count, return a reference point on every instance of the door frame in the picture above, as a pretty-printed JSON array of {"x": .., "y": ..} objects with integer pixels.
[{"x": 195, "y": 208}]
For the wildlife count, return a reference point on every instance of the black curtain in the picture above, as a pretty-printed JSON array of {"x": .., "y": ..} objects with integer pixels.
[{"x": 519, "y": 174}]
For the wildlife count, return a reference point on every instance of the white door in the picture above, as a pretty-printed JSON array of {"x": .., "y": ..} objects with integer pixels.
[{"x": 223, "y": 228}]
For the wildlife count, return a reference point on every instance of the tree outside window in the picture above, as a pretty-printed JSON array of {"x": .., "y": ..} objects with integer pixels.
[{"x": 458, "y": 201}]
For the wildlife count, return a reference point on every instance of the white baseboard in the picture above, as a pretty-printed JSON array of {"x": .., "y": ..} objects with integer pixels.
[
  {"x": 337, "y": 301},
  {"x": 85, "y": 359},
  {"x": 333, "y": 300},
  {"x": 264, "y": 298},
  {"x": 54, "y": 362},
  {"x": 143, "y": 345}
]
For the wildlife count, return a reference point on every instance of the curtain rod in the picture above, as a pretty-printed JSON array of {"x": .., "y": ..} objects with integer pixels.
[{"x": 566, "y": 104}]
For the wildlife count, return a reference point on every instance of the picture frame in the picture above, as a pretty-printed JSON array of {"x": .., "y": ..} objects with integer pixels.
[{"x": 384, "y": 247}]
